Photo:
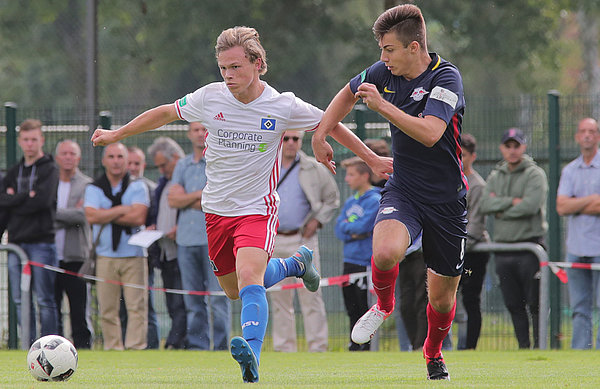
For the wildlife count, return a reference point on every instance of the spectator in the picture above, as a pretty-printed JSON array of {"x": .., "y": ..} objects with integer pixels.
[
  {"x": 121, "y": 205},
  {"x": 471, "y": 282},
  {"x": 136, "y": 165},
  {"x": 165, "y": 153},
  {"x": 30, "y": 197},
  {"x": 73, "y": 242},
  {"x": 579, "y": 199},
  {"x": 309, "y": 197},
  {"x": 185, "y": 194},
  {"x": 515, "y": 194},
  {"x": 354, "y": 227}
]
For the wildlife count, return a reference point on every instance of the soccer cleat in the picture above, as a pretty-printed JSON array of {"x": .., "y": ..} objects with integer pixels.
[
  {"x": 310, "y": 277},
  {"x": 367, "y": 325},
  {"x": 436, "y": 368},
  {"x": 243, "y": 354}
]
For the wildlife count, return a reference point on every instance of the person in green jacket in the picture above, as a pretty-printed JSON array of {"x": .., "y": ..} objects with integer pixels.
[{"x": 515, "y": 194}]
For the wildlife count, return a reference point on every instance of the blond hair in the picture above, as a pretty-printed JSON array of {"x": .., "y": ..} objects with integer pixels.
[{"x": 246, "y": 38}]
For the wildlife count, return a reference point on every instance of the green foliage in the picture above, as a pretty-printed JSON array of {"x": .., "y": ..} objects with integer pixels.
[
  {"x": 152, "y": 52},
  {"x": 501, "y": 46}
]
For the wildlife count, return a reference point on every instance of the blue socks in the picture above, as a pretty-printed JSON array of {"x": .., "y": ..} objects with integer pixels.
[
  {"x": 255, "y": 309},
  {"x": 254, "y": 316},
  {"x": 280, "y": 268}
]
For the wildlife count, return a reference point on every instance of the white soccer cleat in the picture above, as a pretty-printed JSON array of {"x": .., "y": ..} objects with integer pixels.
[{"x": 367, "y": 325}]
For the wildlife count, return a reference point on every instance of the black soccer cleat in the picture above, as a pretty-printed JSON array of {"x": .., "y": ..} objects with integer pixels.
[{"x": 436, "y": 368}]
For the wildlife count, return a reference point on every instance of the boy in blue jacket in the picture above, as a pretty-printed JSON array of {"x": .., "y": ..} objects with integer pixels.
[{"x": 354, "y": 227}]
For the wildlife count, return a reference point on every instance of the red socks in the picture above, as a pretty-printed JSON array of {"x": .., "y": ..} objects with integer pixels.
[
  {"x": 438, "y": 327},
  {"x": 384, "y": 283}
]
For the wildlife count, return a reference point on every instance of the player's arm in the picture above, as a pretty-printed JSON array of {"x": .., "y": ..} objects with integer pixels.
[
  {"x": 340, "y": 106},
  {"x": 427, "y": 130},
  {"x": 149, "y": 120}
]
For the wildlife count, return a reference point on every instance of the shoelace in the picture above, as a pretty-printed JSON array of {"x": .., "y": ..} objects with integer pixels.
[
  {"x": 368, "y": 323},
  {"x": 437, "y": 360}
]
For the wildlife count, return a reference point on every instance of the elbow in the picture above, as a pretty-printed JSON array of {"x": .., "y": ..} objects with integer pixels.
[{"x": 431, "y": 140}]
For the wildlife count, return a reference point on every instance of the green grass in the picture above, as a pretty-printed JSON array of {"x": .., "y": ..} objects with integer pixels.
[{"x": 187, "y": 369}]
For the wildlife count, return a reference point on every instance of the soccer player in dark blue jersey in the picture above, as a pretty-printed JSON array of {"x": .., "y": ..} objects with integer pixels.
[{"x": 421, "y": 95}]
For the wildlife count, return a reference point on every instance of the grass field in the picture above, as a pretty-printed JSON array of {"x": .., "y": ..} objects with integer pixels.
[{"x": 188, "y": 369}]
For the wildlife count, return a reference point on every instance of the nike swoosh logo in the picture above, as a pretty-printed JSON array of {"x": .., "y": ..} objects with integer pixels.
[
  {"x": 459, "y": 265},
  {"x": 444, "y": 329},
  {"x": 386, "y": 90}
]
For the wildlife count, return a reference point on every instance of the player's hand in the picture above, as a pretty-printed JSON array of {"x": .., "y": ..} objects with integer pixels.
[
  {"x": 323, "y": 152},
  {"x": 383, "y": 167},
  {"x": 103, "y": 137},
  {"x": 370, "y": 96}
]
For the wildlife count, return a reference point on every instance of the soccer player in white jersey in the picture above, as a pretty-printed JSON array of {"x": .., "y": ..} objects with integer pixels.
[{"x": 245, "y": 119}]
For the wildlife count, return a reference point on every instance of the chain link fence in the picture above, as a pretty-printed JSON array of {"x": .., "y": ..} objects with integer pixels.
[{"x": 486, "y": 119}]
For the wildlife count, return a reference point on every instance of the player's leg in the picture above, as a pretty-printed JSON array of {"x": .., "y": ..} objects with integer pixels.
[
  {"x": 298, "y": 265},
  {"x": 444, "y": 239},
  {"x": 251, "y": 264},
  {"x": 390, "y": 241},
  {"x": 242, "y": 251},
  {"x": 440, "y": 313}
]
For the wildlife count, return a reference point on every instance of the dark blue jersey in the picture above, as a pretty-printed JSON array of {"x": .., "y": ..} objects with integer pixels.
[{"x": 427, "y": 174}]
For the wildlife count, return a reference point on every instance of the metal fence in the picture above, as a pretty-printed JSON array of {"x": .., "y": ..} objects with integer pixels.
[{"x": 486, "y": 119}]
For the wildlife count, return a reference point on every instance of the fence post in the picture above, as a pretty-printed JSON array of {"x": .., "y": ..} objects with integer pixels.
[
  {"x": 104, "y": 122},
  {"x": 359, "y": 118},
  {"x": 554, "y": 235},
  {"x": 10, "y": 110},
  {"x": 11, "y": 133}
]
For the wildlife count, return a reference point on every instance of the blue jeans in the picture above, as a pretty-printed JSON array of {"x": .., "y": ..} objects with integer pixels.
[
  {"x": 583, "y": 286},
  {"x": 43, "y": 283},
  {"x": 197, "y": 274}
]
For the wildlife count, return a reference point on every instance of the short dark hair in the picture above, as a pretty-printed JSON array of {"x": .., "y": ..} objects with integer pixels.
[
  {"x": 356, "y": 162},
  {"x": 406, "y": 21},
  {"x": 379, "y": 147},
  {"x": 468, "y": 142}
]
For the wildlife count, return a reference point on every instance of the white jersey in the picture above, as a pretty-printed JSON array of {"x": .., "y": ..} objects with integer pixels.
[{"x": 243, "y": 145}]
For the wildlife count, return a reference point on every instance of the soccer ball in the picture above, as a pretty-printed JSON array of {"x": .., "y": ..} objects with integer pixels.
[{"x": 52, "y": 358}]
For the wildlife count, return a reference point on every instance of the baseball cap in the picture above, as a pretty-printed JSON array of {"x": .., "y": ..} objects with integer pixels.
[{"x": 514, "y": 134}]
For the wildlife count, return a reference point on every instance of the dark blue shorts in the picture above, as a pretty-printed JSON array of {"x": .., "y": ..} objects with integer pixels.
[{"x": 444, "y": 228}]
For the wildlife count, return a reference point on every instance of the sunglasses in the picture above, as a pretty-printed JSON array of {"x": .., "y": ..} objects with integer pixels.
[{"x": 294, "y": 138}]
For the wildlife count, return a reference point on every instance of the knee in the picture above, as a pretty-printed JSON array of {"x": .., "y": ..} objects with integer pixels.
[
  {"x": 442, "y": 303},
  {"x": 386, "y": 256}
]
